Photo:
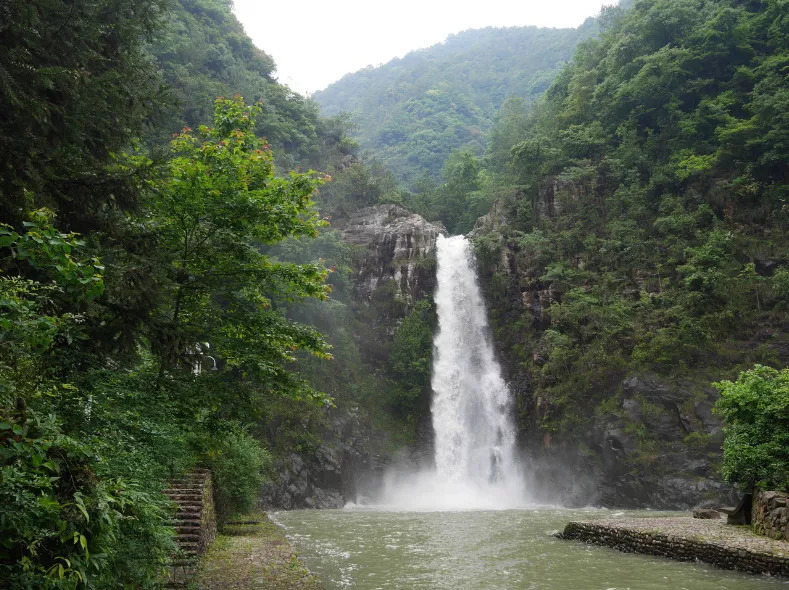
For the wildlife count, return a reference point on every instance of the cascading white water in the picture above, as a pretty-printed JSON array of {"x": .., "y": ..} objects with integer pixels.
[
  {"x": 475, "y": 439},
  {"x": 475, "y": 462}
]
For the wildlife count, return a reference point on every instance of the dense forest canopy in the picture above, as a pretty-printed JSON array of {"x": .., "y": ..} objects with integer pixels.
[
  {"x": 646, "y": 204},
  {"x": 412, "y": 112}
]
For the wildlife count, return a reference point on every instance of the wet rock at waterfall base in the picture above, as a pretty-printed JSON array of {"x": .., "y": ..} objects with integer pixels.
[{"x": 706, "y": 513}]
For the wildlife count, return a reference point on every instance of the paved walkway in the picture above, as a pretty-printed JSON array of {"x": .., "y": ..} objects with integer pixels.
[{"x": 687, "y": 539}]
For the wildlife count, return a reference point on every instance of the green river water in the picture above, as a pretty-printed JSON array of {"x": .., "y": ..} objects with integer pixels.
[{"x": 368, "y": 549}]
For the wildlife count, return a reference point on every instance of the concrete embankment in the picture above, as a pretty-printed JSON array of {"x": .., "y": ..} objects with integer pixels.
[{"x": 687, "y": 539}]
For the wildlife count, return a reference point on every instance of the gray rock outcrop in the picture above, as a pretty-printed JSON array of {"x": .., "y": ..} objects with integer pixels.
[{"x": 398, "y": 248}]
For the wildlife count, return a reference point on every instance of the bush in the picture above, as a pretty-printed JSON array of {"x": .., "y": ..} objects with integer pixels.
[
  {"x": 237, "y": 462},
  {"x": 755, "y": 411},
  {"x": 61, "y": 525}
]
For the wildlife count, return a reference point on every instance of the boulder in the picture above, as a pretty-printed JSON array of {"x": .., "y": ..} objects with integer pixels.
[{"x": 706, "y": 513}]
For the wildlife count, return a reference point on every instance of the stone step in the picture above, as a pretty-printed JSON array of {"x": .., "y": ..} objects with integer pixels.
[
  {"x": 183, "y": 562},
  {"x": 189, "y": 512},
  {"x": 185, "y": 497},
  {"x": 189, "y": 516},
  {"x": 187, "y": 530},
  {"x": 187, "y": 492},
  {"x": 186, "y": 549}
]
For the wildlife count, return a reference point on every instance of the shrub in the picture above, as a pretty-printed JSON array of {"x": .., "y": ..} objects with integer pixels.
[
  {"x": 62, "y": 526},
  {"x": 755, "y": 410},
  {"x": 237, "y": 462}
]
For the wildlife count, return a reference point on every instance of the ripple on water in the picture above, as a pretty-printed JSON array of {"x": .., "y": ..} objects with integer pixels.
[{"x": 512, "y": 549}]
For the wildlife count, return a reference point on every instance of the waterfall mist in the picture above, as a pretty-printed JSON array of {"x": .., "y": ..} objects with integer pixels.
[{"x": 475, "y": 457}]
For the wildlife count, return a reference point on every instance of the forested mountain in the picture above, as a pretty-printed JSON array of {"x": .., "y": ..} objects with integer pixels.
[
  {"x": 413, "y": 112},
  {"x": 640, "y": 249},
  {"x": 166, "y": 273},
  {"x": 202, "y": 52}
]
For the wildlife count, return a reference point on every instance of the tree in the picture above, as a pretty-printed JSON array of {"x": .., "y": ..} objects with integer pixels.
[
  {"x": 755, "y": 411},
  {"x": 62, "y": 525},
  {"x": 217, "y": 207},
  {"x": 75, "y": 87}
]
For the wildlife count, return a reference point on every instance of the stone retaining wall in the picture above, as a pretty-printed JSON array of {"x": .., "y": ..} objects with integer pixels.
[
  {"x": 770, "y": 514},
  {"x": 679, "y": 548},
  {"x": 208, "y": 516}
]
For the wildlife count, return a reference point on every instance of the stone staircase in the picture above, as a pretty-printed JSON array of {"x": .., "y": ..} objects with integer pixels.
[{"x": 194, "y": 523}]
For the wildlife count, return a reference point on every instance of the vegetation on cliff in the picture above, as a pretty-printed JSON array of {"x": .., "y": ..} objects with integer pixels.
[{"x": 645, "y": 208}]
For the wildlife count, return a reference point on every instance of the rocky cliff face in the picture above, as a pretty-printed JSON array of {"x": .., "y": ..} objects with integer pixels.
[
  {"x": 393, "y": 268},
  {"x": 329, "y": 476},
  {"x": 654, "y": 443},
  {"x": 397, "y": 255}
]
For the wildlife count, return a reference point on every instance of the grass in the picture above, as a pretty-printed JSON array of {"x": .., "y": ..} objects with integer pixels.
[{"x": 252, "y": 555}]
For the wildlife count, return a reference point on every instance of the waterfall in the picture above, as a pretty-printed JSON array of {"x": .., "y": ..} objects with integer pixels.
[
  {"x": 475, "y": 439},
  {"x": 475, "y": 458}
]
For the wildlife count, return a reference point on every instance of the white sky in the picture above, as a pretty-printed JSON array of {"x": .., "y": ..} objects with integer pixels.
[{"x": 315, "y": 43}]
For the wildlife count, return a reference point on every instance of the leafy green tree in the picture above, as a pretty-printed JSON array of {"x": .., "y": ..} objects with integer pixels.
[
  {"x": 38, "y": 314},
  {"x": 216, "y": 208},
  {"x": 755, "y": 411},
  {"x": 63, "y": 523}
]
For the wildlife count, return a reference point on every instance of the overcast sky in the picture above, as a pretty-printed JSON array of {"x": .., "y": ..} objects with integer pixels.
[{"x": 316, "y": 42}]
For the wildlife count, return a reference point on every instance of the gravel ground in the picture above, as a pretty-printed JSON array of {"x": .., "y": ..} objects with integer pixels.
[{"x": 250, "y": 556}]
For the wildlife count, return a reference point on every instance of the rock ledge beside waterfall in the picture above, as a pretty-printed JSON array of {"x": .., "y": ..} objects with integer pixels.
[{"x": 399, "y": 250}]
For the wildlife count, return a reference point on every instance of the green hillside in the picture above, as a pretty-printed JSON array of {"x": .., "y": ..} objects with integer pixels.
[
  {"x": 203, "y": 52},
  {"x": 413, "y": 112},
  {"x": 645, "y": 219}
]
